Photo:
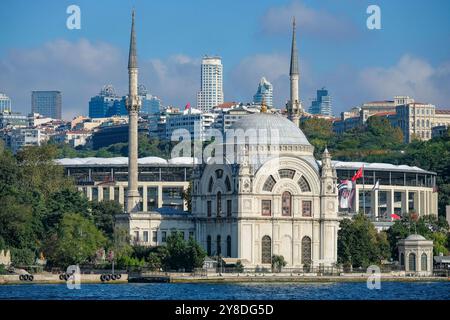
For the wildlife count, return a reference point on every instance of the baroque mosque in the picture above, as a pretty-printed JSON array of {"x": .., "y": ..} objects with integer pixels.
[{"x": 276, "y": 200}]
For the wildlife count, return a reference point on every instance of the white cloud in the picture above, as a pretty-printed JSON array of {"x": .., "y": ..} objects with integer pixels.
[
  {"x": 411, "y": 76},
  {"x": 244, "y": 78},
  {"x": 80, "y": 69},
  {"x": 309, "y": 20}
]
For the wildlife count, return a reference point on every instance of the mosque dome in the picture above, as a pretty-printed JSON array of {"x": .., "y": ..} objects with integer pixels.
[
  {"x": 415, "y": 237},
  {"x": 288, "y": 132}
]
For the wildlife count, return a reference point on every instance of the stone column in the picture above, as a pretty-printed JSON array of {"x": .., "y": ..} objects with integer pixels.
[
  {"x": 144, "y": 198},
  {"x": 390, "y": 202},
  {"x": 374, "y": 203},
  {"x": 160, "y": 197},
  {"x": 405, "y": 201}
]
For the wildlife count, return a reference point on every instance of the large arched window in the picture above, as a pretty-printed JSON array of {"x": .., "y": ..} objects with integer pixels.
[
  {"x": 402, "y": 259},
  {"x": 424, "y": 262},
  {"x": 269, "y": 184},
  {"x": 219, "y": 245},
  {"x": 304, "y": 185},
  {"x": 266, "y": 250},
  {"x": 208, "y": 245},
  {"x": 228, "y": 184},
  {"x": 219, "y": 204},
  {"x": 286, "y": 203},
  {"x": 210, "y": 184},
  {"x": 412, "y": 262},
  {"x": 306, "y": 250},
  {"x": 229, "y": 246}
]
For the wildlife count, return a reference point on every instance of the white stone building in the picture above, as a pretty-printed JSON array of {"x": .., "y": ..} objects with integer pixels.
[{"x": 276, "y": 201}]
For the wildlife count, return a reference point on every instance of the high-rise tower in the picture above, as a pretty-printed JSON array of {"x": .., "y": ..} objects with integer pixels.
[
  {"x": 211, "y": 90},
  {"x": 294, "y": 106},
  {"x": 133, "y": 104}
]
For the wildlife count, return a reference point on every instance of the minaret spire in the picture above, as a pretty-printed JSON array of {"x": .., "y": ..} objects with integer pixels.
[
  {"x": 132, "y": 59},
  {"x": 294, "y": 52},
  {"x": 133, "y": 104},
  {"x": 294, "y": 107}
]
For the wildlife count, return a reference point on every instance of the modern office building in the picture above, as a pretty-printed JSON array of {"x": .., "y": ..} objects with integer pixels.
[
  {"x": 5, "y": 103},
  {"x": 322, "y": 103},
  {"x": 149, "y": 104},
  {"x": 161, "y": 182},
  {"x": 13, "y": 120},
  {"x": 211, "y": 84},
  {"x": 192, "y": 121},
  {"x": 104, "y": 104},
  {"x": 110, "y": 134},
  {"x": 47, "y": 103},
  {"x": 23, "y": 137},
  {"x": 264, "y": 93}
]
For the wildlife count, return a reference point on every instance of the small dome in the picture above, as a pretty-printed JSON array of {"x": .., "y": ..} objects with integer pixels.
[
  {"x": 288, "y": 132},
  {"x": 415, "y": 237}
]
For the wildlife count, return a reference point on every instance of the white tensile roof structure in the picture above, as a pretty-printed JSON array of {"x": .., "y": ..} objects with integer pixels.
[{"x": 123, "y": 161}]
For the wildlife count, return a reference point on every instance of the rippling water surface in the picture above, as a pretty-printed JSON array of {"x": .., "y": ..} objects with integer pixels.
[{"x": 168, "y": 291}]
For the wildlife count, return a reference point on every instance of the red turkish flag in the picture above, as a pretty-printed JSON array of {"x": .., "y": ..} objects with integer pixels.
[
  {"x": 358, "y": 174},
  {"x": 395, "y": 216}
]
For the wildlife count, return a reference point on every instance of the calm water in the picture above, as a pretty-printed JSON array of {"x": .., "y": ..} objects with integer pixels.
[{"x": 298, "y": 291}]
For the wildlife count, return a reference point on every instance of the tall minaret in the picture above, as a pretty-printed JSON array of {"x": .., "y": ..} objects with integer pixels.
[
  {"x": 133, "y": 104},
  {"x": 294, "y": 107}
]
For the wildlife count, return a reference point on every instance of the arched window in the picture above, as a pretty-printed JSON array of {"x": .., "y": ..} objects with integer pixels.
[
  {"x": 304, "y": 185},
  {"x": 306, "y": 250},
  {"x": 418, "y": 123},
  {"x": 423, "y": 123},
  {"x": 268, "y": 185},
  {"x": 229, "y": 246},
  {"x": 402, "y": 259},
  {"x": 286, "y": 173},
  {"x": 219, "y": 204},
  {"x": 210, "y": 184},
  {"x": 424, "y": 262},
  {"x": 219, "y": 245},
  {"x": 286, "y": 203},
  {"x": 412, "y": 262},
  {"x": 208, "y": 245},
  {"x": 428, "y": 123},
  {"x": 228, "y": 184},
  {"x": 266, "y": 250}
]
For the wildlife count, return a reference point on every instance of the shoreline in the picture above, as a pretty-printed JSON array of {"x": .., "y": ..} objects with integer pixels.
[{"x": 215, "y": 279}]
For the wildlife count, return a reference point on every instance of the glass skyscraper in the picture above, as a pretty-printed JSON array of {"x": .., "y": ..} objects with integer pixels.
[
  {"x": 322, "y": 104},
  {"x": 265, "y": 91},
  {"x": 105, "y": 103},
  {"x": 47, "y": 103}
]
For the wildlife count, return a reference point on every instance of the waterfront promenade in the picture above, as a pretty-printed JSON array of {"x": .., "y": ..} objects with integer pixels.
[{"x": 48, "y": 278}]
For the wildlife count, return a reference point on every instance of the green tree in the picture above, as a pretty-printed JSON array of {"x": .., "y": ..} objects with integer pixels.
[
  {"x": 104, "y": 214},
  {"x": 77, "y": 241},
  {"x": 182, "y": 254},
  {"x": 64, "y": 201},
  {"x": 359, "y": 244},
  {"x": 278, "y": 262}
]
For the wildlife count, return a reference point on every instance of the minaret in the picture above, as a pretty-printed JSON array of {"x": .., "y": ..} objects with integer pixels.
[
  {"x": 133, "y": 104},
  {"x": 294, "y": 107}
]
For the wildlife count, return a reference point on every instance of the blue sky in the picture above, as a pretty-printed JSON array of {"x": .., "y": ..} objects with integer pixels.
[{"x": 409, "y": 55}]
